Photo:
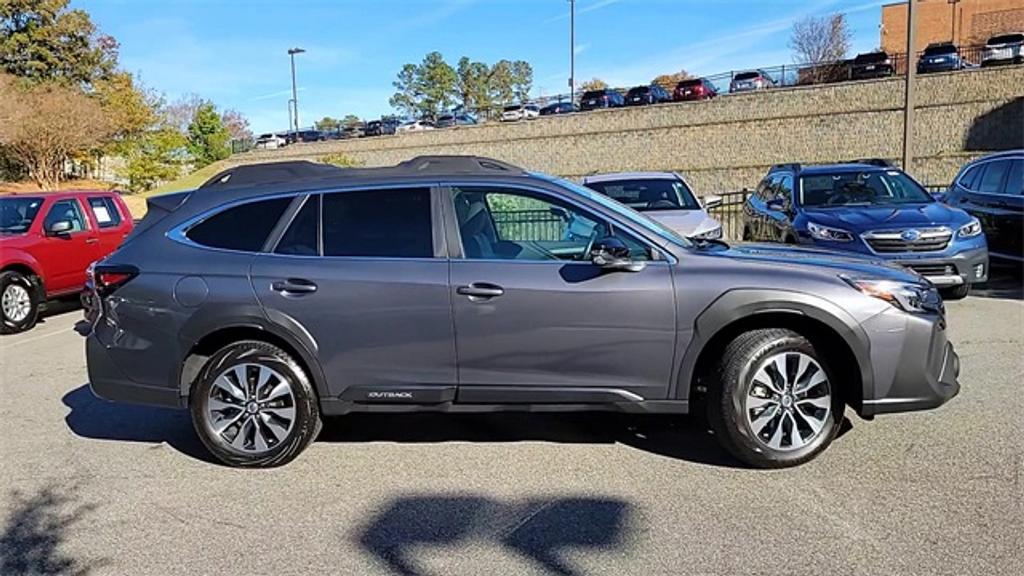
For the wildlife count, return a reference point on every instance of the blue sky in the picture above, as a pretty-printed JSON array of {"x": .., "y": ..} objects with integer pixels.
[{"x": 234, "y": 52}]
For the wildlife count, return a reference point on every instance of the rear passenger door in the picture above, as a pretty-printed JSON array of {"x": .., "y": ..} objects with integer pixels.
[
  {"x": 363, "y": 274},
  {"x": 112, "y": 226}
]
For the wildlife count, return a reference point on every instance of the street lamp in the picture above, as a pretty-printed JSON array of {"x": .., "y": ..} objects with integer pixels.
[
  {"x": 572, "y": 50},
  {"x": 295, "y": 96},
  {"x": 952, "y": 21}
]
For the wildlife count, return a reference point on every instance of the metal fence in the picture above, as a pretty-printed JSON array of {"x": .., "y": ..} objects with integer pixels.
[
  {"x": 730, "y": 213},
  {"x": 529, "y": 225}
]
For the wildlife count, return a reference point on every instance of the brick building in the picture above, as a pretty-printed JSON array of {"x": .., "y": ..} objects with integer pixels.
[{"x": 967, "y": 22}]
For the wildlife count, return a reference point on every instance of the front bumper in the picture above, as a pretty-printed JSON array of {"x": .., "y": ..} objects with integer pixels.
[
  {"x": 966, "y": 267},
  {"x": 915, "y": 367}
]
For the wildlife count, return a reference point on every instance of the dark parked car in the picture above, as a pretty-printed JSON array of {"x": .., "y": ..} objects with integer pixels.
[
  {"x": 644, "y": 95},
  {"x": 873, "y": 209},
  {"x": 558, "y": 108},
  {"x": 871, "y": 65},
  {"x": 1003, "y": 49},
  {"x": 991, "y": 189},
  {"x": 306, "y": 136},
  {"x": 694, "y": 89},
  {"x": 750, "y": 81},
  {"x": 381, "y": 127},
  {"x": 266, "y": 300},
  {"x": 941, "y": 57},
  {"x": 607, "y": 98},
  {"x": 450, "y": 120}
]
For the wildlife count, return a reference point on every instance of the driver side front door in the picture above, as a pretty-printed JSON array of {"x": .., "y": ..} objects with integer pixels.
[{"x": 536, "y": 321}]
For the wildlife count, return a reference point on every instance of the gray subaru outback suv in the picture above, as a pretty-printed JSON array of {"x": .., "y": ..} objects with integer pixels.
[{"x": 276, "y": 294}]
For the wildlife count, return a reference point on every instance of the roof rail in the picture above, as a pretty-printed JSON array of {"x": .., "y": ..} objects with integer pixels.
[
  {"x": 458, "y": 164},
  {"x": 880, "y": 162},
  {"x": 249, "y": 174},
  {"x": 794, "y": 166}
]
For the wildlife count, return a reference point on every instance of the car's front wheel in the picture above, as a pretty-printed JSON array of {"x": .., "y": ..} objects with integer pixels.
[
  {"x": 254, "y": 406},
  {"x": 775, "y": 403},
  {"x": 19, "y": 303}
]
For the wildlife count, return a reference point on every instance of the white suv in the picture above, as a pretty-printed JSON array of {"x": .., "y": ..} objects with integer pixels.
[
  {"x": 1004, "y": 49},
  {"x": 270, "y": 141},
  {"x": 517, "y": 112}
]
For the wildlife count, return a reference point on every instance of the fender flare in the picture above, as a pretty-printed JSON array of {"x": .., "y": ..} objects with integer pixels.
[
  {"x": 742, "y": 303},
  {"x": 252, "y": 317},
  {"x": 19, "y": 257}
]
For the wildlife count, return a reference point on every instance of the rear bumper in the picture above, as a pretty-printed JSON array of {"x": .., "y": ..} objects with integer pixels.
[
  {"x": 108, "y": 382},
  {"x": 915, "y": 368}
]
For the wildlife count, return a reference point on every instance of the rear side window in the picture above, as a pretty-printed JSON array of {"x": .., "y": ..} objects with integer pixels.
[
  {"x": 243, "y": 227},
  {"x": 302, "y": 236},
  {"x": 105, "y": 210},
  {"x": 992, "y": 178},
  {"x": 378, "y": 223}
]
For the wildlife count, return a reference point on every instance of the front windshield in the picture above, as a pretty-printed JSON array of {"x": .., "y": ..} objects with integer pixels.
[
  {"x": 621, "y": 209},
  {"x": 649, "y": 195},
  {"x": 17, "y": 213},
  {"x": 867, "y": 188}
]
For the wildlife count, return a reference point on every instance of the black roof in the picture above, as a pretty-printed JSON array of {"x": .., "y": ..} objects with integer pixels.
[
  {"x": 311, "y": 173},
  {"x": 859, "y": 165}
]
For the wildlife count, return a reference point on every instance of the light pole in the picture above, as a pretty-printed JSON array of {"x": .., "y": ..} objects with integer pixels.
[
  {"x": 908, "y": 100},
  {"x": 295, "y": 95},
  {"x": 572, "y": 50}
]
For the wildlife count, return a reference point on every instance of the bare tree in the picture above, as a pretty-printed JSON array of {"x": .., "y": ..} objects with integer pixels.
[
  {"x": 47, "y": 124},
  {"x": 818, "y": 42},
  {"x": 237, "y": 125}
]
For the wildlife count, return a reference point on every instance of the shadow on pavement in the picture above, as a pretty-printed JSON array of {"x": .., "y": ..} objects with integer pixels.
[
  {"x": 540, "y": 530},
  {"x": 1006, "y": 282},
  {"x": 673, "y": 437},
  {"x": 35, "y": 529},
  {"x": 91, "y": 417}
]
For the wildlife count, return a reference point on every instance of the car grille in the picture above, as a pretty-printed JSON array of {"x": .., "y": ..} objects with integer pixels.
[
  {"x": 909, "y": 240},
  {"x": 933, "y": 269}
]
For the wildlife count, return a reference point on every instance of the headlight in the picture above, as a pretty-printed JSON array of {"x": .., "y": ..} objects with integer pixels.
[
  {"x": 907, "y": 296},
  {"x": 970, "y": 230},
  {"x": 819, "y": 232},
  {"x": 713, "y": 234}
]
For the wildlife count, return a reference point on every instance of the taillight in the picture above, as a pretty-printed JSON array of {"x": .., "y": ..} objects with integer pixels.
[{"x": 108, "y": 278}]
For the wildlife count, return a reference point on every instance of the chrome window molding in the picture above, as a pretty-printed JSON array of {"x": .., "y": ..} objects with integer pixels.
[{"x": 981, "y": 162}]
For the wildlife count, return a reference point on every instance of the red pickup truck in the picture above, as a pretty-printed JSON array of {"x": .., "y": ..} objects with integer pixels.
[{"x": 47, "y": 241}]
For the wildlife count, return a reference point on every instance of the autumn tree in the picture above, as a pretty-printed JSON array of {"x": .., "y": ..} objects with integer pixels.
[
  {"x": 818, "y": 43},
  {"x": 236, "y": 124},
  {"x": 43, "y": 40},
  {"x": 593, "y": 84},
  {"x": 47, "y": 124},
  {"x": 208, "y": 139},
  {"x": 669, "y": 81}
]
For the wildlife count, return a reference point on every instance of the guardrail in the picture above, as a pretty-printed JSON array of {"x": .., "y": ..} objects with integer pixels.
[{"x": 525, "y": 225}]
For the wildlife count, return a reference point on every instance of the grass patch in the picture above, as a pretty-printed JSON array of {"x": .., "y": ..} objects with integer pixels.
[{"x": 190, "y": 181}]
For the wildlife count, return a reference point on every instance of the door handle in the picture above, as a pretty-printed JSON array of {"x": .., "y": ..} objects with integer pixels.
[
  {"x": 91, "y": 240},
  {"x": 294, "y": 286},
  {"x": 480, "y": 290}
]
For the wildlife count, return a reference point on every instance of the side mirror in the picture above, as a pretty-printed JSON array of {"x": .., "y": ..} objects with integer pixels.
[
  {"x": 777, "y": 205},
  {"x": 939, "y": 196},
  {"x": 712, "y": 201},
  {"x": 611, "y": 253},
  {"x": 60, "y": 228}
]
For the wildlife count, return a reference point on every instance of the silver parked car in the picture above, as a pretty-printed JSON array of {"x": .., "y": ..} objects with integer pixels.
[
  {"x": 280, "y": 293},
  {"x": 1003, "y": 49},
  {"x": 665, "y": 197}
]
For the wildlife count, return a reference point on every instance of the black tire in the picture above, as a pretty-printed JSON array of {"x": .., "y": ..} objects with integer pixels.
[
  {"x": 306, "y": 423},
  {"x": 956, "y": 293},
  {"x": 728, "y": 388},
  {"x": 28, "y": 284}
]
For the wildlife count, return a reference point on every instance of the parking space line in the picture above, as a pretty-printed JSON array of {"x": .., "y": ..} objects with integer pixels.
[{"x": 37, "y": 337}]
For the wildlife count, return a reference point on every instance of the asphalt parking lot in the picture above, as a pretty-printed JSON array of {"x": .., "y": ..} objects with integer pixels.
[{"x": 90, "y": 487}]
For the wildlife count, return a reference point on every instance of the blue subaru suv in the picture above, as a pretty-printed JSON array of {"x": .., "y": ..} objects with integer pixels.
[{"x": 872, "y": 208}]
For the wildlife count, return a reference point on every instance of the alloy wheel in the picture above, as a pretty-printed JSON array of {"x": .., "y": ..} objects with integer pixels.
[
  {"x": 788, "y": 402},
  {"x": 16, "y": 303},
  {"x": 251, "y": 408}
]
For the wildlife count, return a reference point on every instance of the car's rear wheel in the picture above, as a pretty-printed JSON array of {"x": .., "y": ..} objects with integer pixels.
[
  {"x": 254, "y": 406},
  {"x": 19, "y": 303},
  {"x": 956, "y": 293},
  {"x": 775, "y": 403}
]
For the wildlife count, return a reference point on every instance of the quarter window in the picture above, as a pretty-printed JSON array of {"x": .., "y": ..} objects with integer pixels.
[
  {"x": 65, "y": 210},
  {"x": 378, "y": 223},
  {"x": 243, "y": 227},
  {"x": 104, "y": 209},
  {"x": 1015, "y": 181}
]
